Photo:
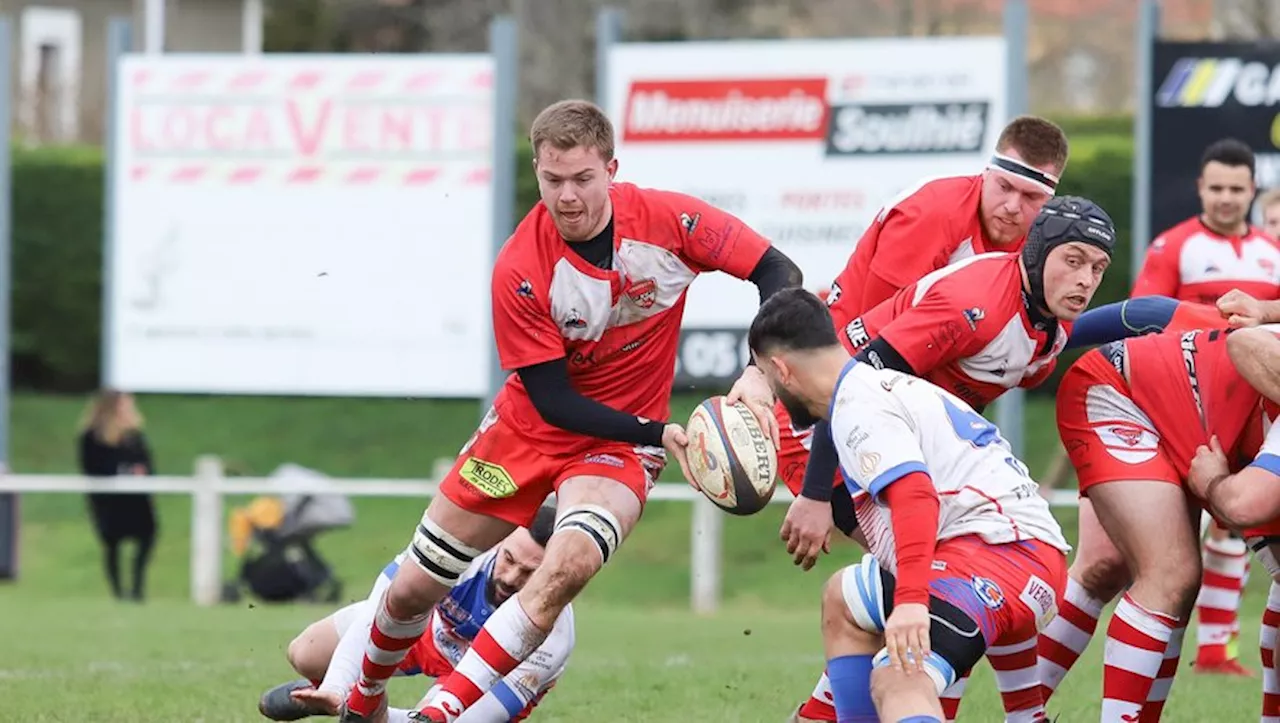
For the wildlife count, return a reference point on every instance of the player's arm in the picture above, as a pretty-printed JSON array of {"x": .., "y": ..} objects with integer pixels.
[
  {"x": 1160, "y": 274},
  {"x": 905, "y": 251},
  {"x": 879, "y": 452},
  {"x": 939, "y": 329},
  {"x": 717, "y": 240},
  {"x": 1249, "y": 498},
  {"x": 1255, "y": 353},
  {"x": 530, "y": 343},
  {"x": 1123, "y": 319}
]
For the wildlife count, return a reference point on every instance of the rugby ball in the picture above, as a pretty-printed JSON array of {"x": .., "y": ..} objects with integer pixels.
[{"x": 731, "y": 458}]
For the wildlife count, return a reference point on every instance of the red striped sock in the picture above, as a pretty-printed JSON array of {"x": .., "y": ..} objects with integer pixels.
[
  {"x": 389, "y": 642},
  {"x": 1066, "y": 636},
  {"x": 1137, "y": 639},
  {"x": 821, "y": 705},
  {"x": 1267, "y": 646},
  {"x": 950, "y": 698},
  {"x": 1164, "y": 679},
  {"x": 1218, "y": 605}
]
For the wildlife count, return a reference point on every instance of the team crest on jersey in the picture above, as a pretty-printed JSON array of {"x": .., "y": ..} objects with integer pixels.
[
  {"x": 643, "y": 293},
  {"x": 525, "y": 289},
  {"x": 973, "y": 316},
  {"x": 574, "y": 320},
  {"x": 988, "y": 592},
  {"x": 1128, "y": 435},
  {"x": 690, "y": 223},
  {"x": 868, "y": 462}
]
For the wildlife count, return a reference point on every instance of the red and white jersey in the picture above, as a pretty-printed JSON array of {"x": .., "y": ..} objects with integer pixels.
[
  {"x": 618, "y": 328},
  {"x": 925, "y": 228},
  {"x": 1189, "y": 390},
  {"x": 967, "y": 328},
  {"x": 887, "y": 425},
  {"x": 1191, "y": 262}
]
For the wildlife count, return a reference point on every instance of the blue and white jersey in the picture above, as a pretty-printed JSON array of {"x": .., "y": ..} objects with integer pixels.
[
  {"x": 455, "y": 622},
  {"x": 887, "y": 424}
]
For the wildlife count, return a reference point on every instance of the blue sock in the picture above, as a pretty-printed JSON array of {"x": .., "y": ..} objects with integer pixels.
[
  {"x": 850, "y": 678},
  {"x": 920, "y": 719}
]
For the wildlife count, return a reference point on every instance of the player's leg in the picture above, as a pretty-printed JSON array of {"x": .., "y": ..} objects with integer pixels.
[
  {"x": 599, "y": 500},
  {"x": 854, "y": 608},
  {"x": 1148, "y": 522},
  {"x": 1218, "y": 606},
  {"x": 950, "y": 698},
  {"x": 1098, "y": 573}
]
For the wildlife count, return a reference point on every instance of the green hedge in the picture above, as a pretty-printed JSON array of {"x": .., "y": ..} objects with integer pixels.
[{"x": 57, "y": 245}]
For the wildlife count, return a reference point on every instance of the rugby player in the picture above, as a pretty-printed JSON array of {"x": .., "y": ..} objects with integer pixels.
[
  {"x": 327, "y": 654},
  {"x": 587, "y": 298},
  {"x": 1198, "y": 260},
  {"x": 965, "y": 556},
  {"x": 976, "y": 328},
  {"x": 1131, "y": 414}
]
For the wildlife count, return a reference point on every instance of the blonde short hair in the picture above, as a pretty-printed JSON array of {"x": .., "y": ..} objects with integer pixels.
[
  {"x": 1269, "y": 198},
  {"x": 570, "y": 124}
]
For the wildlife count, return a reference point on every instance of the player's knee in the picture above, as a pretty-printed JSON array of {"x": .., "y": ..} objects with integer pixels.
[
  {"x": 304, "y": 654},
  {"x": 1104, "y": 575},
  {"x": 439, "y": 554},
  {"x": 597, "y": 525},
  {"x": 888, "y": 682},
  {"x": 855, "y": 596},
  {"x": 1178, "y": 577}
]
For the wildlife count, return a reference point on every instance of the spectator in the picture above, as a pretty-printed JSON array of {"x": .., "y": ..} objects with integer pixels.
[
  {"x": 1269, "y": 206},
  {"x": 111, "y": 444}
]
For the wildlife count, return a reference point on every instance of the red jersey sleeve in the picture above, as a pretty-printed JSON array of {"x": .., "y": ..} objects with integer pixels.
[
  {"x": 1160, "y": 275},
  {"x": 525, "y": 332},
  {"x": 910, "y": 245},
  {"x": 1188, "y": 315},
  {"x": 936, "y": 331},
  {"x": 711, "y": 238}
]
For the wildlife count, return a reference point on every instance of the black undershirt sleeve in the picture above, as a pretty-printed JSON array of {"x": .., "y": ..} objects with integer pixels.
[
  {"x": 562, "y": 406},
  {"x": 775, "y": 272}
]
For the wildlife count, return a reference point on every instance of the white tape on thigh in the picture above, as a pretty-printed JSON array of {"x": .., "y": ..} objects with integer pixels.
[
  {"x": 597, "y": 523},
  {"x": 864, "y": 594},
  {"x": 439, "y": 554}
]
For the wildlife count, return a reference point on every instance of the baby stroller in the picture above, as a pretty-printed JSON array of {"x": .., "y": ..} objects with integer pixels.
[{"x": 273, "y": 535}]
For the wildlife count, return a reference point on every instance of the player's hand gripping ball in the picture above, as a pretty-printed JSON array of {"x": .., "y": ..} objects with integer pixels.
[{"x": 731, "y": 458}]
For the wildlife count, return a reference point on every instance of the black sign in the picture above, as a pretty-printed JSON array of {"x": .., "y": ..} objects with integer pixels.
[
  {"x": 1204, "y": 92},
  {"x": 710, "y": 359},
  {"x": 901, "y": 129}
]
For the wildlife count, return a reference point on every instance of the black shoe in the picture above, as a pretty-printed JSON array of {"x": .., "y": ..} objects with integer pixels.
[{"x": 277, "y": 704}]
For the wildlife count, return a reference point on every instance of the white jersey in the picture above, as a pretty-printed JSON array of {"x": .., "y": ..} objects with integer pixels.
[
  {"x": 1268, "y": 457},
  {"x": 887, "y": 424}
]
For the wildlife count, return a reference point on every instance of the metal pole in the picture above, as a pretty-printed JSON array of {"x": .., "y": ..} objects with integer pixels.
[
  {"x": 504, "y": 45},
  {"x": 8, "y": 502},
  {"x": 608, "y": 32},
  {"x": 119, "y": 42},
  {"x": 153, "y": 17},
  {"x": 1009, "y": 408},
  {"x": 251, "y": 27},
  {"x": 1148, "y": 30}
]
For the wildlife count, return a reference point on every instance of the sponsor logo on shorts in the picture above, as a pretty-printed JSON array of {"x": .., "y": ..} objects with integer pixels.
[
  {"x": 489, "y": 478},
  {"x": 608, "y": 460},
  {"x": 988, "y": 592},
  {"x": 1040, "y": 598}
]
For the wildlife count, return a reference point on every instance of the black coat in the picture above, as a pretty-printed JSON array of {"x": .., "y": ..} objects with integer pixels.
[{"x": 123, "y": 515}]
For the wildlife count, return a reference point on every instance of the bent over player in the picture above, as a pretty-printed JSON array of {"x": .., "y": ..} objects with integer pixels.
[
  {"x": 587, "y": 299},
  {"x": 975, "y": 328},
  {"x": 328, "y": 652},
  {"x": 965, "y": 554},
  {"x": 1131, "y": 414}
]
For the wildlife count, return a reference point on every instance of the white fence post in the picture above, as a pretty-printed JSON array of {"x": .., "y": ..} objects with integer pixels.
[
  {"x": 704, "y": 568},
  {"x": 206, "y": 532}
]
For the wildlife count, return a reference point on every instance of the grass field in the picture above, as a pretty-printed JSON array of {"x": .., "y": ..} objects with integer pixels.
[{"x": 73, "y": 655}]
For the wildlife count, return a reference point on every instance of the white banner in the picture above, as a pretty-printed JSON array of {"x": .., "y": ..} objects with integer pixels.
[
  {"x": 803, "y": 139},
  {"x": 302, "y": 225}
]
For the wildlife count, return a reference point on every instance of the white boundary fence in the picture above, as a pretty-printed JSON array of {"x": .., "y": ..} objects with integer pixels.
[{"x": 209, "y": 484}]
